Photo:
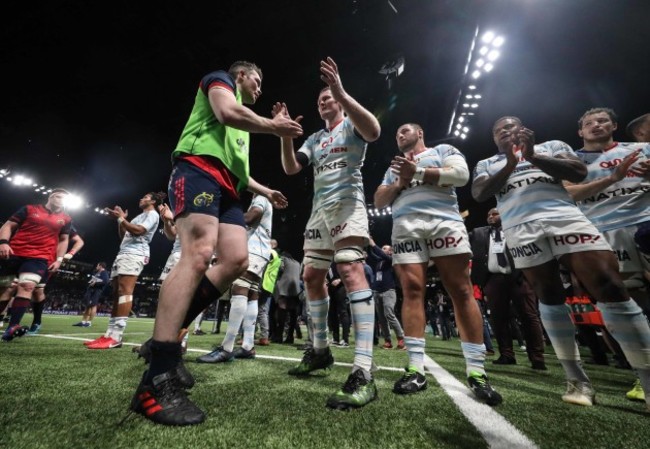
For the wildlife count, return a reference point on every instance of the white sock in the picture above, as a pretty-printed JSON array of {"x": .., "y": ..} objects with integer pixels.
[
  {"x": 238, "y": 305},
  {"x": 249, "y": 325}
]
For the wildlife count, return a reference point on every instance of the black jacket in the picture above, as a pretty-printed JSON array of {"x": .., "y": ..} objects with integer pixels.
[{"x": 479, "y": 238}]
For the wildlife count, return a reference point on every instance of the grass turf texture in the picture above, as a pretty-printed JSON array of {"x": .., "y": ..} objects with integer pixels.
[{"x": 57, "y": 394}]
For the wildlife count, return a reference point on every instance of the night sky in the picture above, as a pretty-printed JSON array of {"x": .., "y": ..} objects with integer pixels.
[{"x": 95, "y": 94}]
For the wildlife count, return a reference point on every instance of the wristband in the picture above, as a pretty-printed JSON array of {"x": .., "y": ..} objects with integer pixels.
[
  {"x": 59, "y": 259},
  {"x": 120, "y": 220},
  {"x": 68, "y": 256},
  {"x": 419, "y": 174},
  {"x": 4, "y": 242}
]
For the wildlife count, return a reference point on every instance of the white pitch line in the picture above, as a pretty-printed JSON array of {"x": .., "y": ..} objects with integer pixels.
[
  {"x": 494, "y": 428},
  {"x": 205, "y": 351}
]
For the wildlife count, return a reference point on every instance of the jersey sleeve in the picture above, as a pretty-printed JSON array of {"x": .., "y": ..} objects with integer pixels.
[
  {"x": 67, "y": 228},
  {"x": 480, "y": 171},
  {"x": 307, "y": 149},
  {"x": 259, "y": 202},
  {"x": 452, "y": 157},
  {"x": 558, "y": 147},
  {"x": 19, "y": 216},
  {"x": 150, "y": 222},
  {"x": 218, "y": 79}
]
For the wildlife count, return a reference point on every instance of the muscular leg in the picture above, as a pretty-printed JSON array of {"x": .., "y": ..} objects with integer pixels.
[
  {"x": 547, "y": 284},
  {"x": 598, "y": 272},
  {"x": 361, "y": 305}
]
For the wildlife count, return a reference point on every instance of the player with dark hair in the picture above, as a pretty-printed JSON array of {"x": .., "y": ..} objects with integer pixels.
[{"x": 130, "y": 261}]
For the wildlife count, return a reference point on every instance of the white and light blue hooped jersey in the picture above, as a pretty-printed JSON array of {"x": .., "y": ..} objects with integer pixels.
[
  {"x": 259, "y": 235},
  {"x": 624, "y": 203},
  {"x": 177, "y": 244},
  {"x": 530, "y": 194},
  {"x": 139, "y": 244},
  {"x": 337, "y": 157},
  {"x": 421, "y": 198}
]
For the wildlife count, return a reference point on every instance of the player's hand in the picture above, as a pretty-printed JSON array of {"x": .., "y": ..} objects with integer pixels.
[
  {"x": 284, "y": 126},
  {"x": 526, "y": 143},
  {"x": 5, "y": 251},
  {"x": 621, "y": 169},
  {"x": 511, "y": 157},
  {"x": 54, "y": 267},
  {"x": 330, "y": 75},
  {"x": 165, "y": 212},
  {"x": 277, "y": 199},
  {"x": 403, "y": 167}
]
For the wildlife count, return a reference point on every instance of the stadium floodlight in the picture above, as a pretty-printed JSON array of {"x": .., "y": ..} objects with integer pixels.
[
  {"x": 466, "y": 105},
  {"x": 476, "y": 74},
  {"x": 459, "y": 126},
  {"x": 483, "y": 51},
  {"x": 465, "y": 129},
  {"x": 463, "y": 136},
  {"x": 469, "y": 96},
  {"x": 480, "y": 62},
  {"x": 493, "y": 55},
  {"x": 471, "y": 87},
  {"x": 474, "y": 105},
  {"x": 456, "y": 133},
  {"x": 498, "y": 41},
  {"x": 4, "y": 172},
  {"x": 44, "y": 192},
  {"x": 73, "y": 201},
  {"x": 477, "y": 96},
  {"x": 488, "y": 37},
  {"x": 488, "y": 67},
  {"x": 461, "y": 119}
]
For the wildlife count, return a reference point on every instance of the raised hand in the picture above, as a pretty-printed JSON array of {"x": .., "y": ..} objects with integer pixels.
[
  {"x": 620, "y": 172},
  {"x": 403, "y": 167},
  {"x": 526, "y": 143},
  {"x": 330, "y": 75},
  {"x": 286, "y": 127}
]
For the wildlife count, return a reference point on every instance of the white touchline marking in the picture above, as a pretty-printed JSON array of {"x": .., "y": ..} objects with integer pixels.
[
  {"x": 493, "y": 427},
  {"x": 205, "y": 351}
]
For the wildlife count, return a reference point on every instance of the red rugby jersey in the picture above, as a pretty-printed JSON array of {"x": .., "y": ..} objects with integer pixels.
[{"x": 38, "y": 231}]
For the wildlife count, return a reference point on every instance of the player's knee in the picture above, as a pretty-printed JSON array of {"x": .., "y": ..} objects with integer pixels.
[
  {"x": 27, "y": 286},
  {"x": 200, "y": 256}
]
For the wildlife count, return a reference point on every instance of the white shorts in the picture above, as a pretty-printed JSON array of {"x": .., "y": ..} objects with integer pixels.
[
  {"x": 420, "y": 237},
  {"x": 329, "y": 224},
  {"x": 172, "y": 260},
  {"x": 128, "y": 265},
  {"x": 537, "y": 242},
  {"x": 630, "y": 259},
  {"x": 256, "y": 264}
]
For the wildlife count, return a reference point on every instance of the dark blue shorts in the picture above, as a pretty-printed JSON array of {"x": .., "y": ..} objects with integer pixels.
[
  {"x": 92, "y": 296},
  {"x": 193, "y": 191},
  {"x": 16, "y": 265}
]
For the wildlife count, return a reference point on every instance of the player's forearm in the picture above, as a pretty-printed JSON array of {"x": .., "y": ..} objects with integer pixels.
[
  {"x": 240, "y": 117},
  {"x": 486, "y": 187},
  {"x": 573, "y": 170},
  {"x": 132, "y": 228},
  {"x": 580, "y": 192},
  {"x": 169, "y": 229},
  {"x": 62, "y": 247},
  {"x": 364, "y": 122},
  {"x": 290, "y": 164},
  {"x": 6, "y": 231},
  {"x": 257, "y": 188},
  {"x": 385, "y": 195},
  {"x": 76, "y": 247}
]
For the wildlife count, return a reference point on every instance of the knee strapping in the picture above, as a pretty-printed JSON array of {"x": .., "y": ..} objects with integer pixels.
[
  {"x": 243, "y": 283},
  {"x": 349, "y": 254},
  {"x": 317, "y": 261}
]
